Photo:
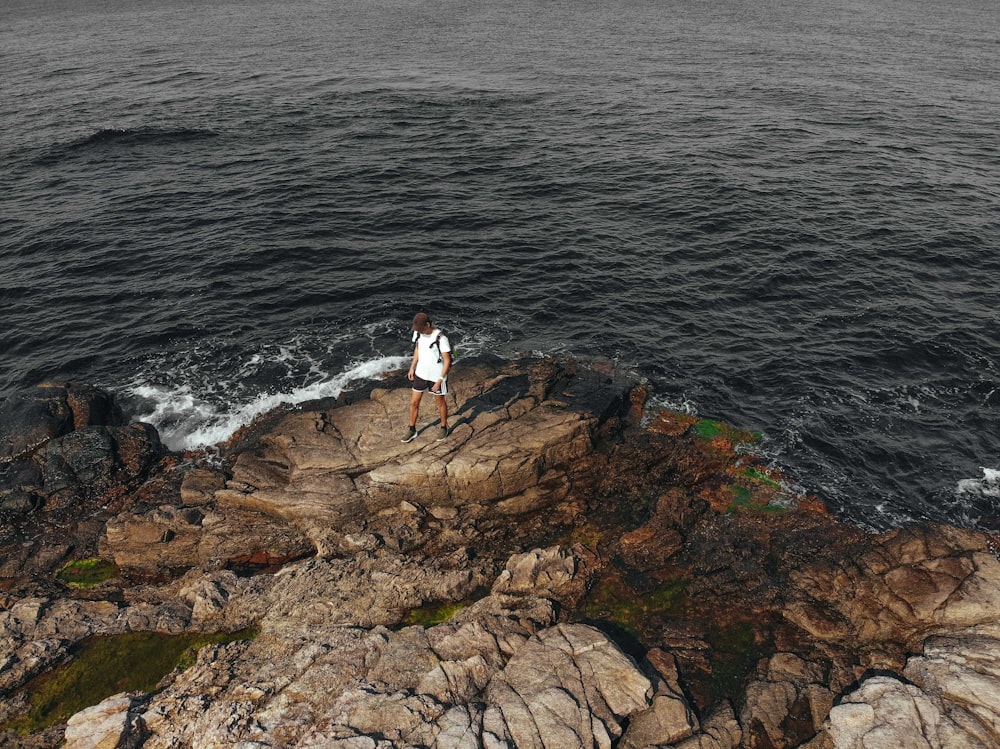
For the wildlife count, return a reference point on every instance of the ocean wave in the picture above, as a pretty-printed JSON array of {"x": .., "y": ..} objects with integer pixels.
[
  {"x": 143, "y": 136},
  {"x": 113, "y": 138},
  {"x": 187, "y": 420},
  {"x": 988, "y": 485}
]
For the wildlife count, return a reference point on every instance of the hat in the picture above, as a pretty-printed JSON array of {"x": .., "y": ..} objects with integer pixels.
[{"x": 420, "y": 321}]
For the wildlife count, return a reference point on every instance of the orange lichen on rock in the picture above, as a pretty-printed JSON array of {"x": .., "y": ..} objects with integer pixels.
[
  {"x": 722, "y": 468},
  {"x": 672, "y": 423}
]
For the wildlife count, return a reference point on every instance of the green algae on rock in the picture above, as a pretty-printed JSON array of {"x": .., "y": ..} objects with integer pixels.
[
  {"x": 433, "y": 613},
  {"x": 107, "y": 665},
  {"x": 709, "y": 429},
  {"x": 612, "y": 601},
  {"x": 87, "y": 573}
]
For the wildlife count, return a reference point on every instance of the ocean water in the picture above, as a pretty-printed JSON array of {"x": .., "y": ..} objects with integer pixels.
[{"x": 784, "y": 214}]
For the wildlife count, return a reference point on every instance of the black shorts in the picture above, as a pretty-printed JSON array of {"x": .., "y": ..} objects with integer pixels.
[{"x": 424, "y": 386}]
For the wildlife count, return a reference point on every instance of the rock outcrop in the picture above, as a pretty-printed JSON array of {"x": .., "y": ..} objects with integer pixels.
[
  {"x": 565, "y": 570},
  {"x": 68, "y": 460}
]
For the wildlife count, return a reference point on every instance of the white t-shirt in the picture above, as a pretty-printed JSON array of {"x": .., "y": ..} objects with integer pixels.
[{"x": 428, "y": 367}]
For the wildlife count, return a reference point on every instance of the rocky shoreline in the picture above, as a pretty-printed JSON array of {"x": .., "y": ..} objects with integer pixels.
[{"x": 565, "y": 570}]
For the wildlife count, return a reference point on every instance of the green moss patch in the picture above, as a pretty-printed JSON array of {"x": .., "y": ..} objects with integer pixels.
[
  {"x": 433, "y": 613},
  {"x": 755, "y": 474},
  {"x": 742, "y": 497},
  {"x": 613, "y": 602},
  {"x": 103, "y": 666},
  {"x": 709, "y": 430},
  {"x": 734, "y": 653},
  {"x": 745, "y": 500},
  {"x": 86, "y": 573}
]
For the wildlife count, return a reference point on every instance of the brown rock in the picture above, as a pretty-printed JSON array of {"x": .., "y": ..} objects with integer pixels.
[
  {"x": 156, "y": 542},
  {"x": 200, "y": 485},
  {"x": 650, "y": 545},
  {"x": 898, "y": 587},
  {"x": 511, "y": 452}
]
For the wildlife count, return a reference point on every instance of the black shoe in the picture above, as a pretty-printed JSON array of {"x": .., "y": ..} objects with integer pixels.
[
  {"x": 411, "y": 434},
  {"x": 443, "y": 435}
]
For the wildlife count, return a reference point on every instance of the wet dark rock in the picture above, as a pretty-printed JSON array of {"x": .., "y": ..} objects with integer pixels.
[
  {"x": 93, "y": 460},
  {"x": 81, "y": 457},
  {"x": 30, "y": 419},
  {"x": 20, "y": 502},
  {"x": 20, "y": 493},
  {"x": 66, "y": 447},
  {"x": 77, "y": 462}
]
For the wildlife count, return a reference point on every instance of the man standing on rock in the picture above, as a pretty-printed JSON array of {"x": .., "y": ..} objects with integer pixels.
[{"x": 428, "y": 372}]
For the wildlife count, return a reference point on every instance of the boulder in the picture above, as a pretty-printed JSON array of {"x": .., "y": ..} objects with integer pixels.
[
  {"x": 167, "y": 539},
  {"x": 670, "y": 718},
  {"x": 31, "y": 418},
  {"x": 720, "y": 730},
  {"x": 885, "y": 711},
  {"x": 567, "y": 686},
  {"x": 155, "y": 542},
  {"x": 947, "y": 697},
  {"x": 787, "y": 702},
  {"x": 198, "y": 487},
  {"x": 20, "y": 488},
  {"x": 962, "y": 673},
  {"x": 548, "y": 573},
  {"x": 63, "y": 444},
  {"x": 649, "y": 545},
  {"x": 111, "y": 724},
  {"x": 94, "y": 460}
]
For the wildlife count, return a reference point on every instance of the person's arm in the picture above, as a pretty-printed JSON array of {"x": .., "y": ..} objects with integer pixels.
[
  {"x": 446, "y": 358},
  {"x": 413, "y": 365}
]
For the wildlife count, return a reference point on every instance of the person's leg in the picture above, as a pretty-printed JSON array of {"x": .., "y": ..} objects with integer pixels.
[
  {"x": 442, "y": 409},
  {"x": 415, "y": 396}
]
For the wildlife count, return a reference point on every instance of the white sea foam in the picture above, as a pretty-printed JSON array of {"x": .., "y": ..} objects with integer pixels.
[
  {"x": 987, "y": 486},
  {"x": 681, "y": 404},
  {"x": 188, "y": 421}
]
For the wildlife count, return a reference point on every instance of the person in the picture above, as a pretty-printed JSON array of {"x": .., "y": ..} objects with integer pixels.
[{"x": 428, "y": 372}]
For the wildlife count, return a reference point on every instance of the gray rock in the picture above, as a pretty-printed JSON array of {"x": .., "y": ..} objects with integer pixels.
[
  {"x": 950, "y": 698},
  {"x": 568, "y": 686},
  {"x": 111, "y": 724},
  {"x": 720, "y": 730}
]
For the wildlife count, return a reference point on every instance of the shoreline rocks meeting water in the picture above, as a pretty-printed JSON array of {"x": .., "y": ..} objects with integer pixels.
[{"x": 567, "y": 569}]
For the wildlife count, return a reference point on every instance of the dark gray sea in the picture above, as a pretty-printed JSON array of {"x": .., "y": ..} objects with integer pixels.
[{"x": 782, "y": 213}]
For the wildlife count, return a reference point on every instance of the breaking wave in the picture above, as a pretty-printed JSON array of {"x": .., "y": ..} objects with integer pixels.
[{"x": 187, "y": 420}]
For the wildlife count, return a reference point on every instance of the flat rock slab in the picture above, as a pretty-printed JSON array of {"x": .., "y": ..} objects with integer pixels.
[{"x": 515, "y": 434}]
